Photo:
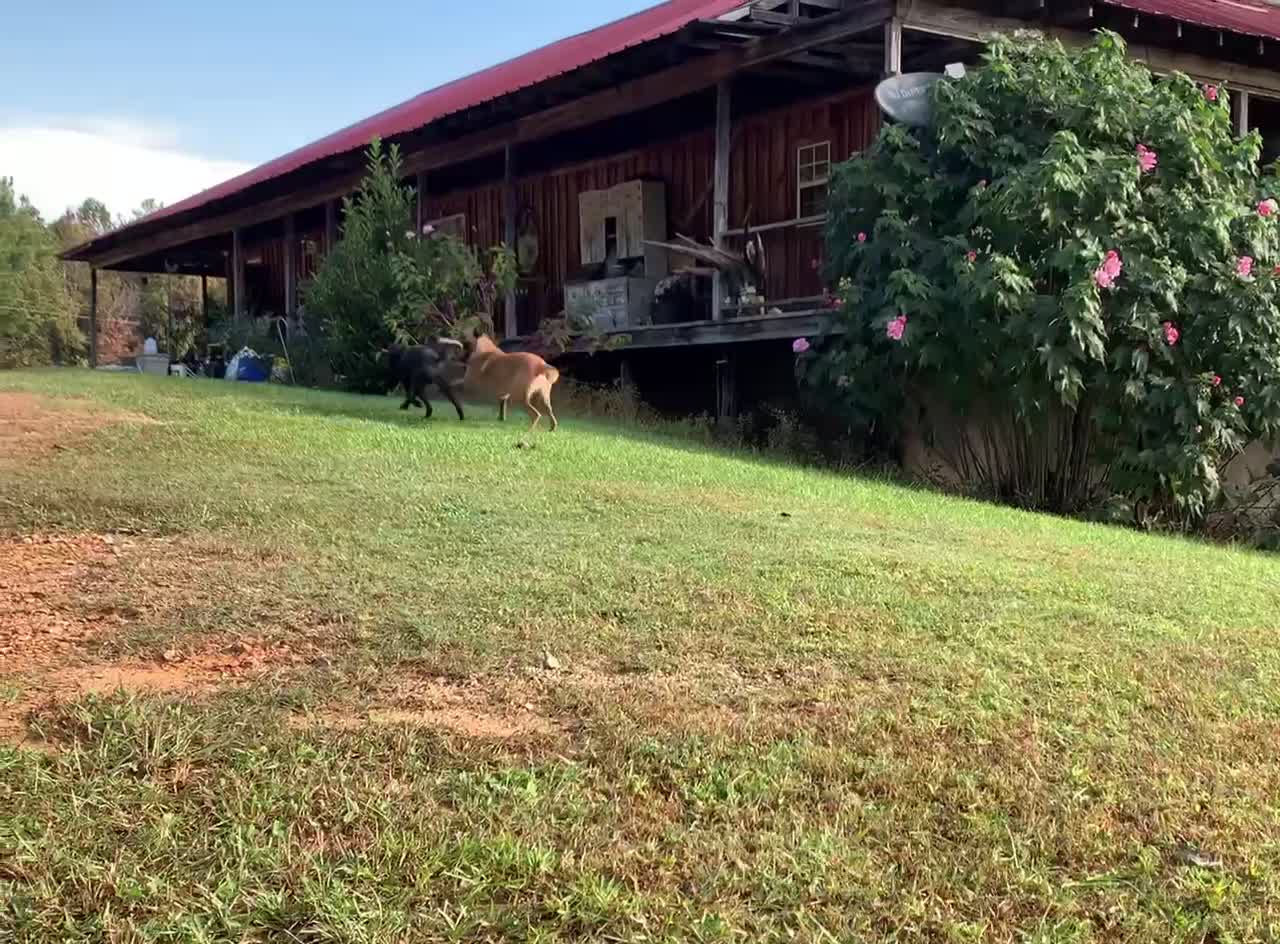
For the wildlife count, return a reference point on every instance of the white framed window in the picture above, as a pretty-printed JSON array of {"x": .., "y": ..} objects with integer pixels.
[
  {"x": 813, "y": 176},
  {"x": 455, "y": 225}
]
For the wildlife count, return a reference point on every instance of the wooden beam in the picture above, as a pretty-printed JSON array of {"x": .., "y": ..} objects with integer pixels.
[
  {"x": 509, "y": 210},
  {"x": 893, "y": 46},
  {"x": 421, "y": 193},
  {"x": 726, "y": 392},
  {"x": 168, "y": 330},
  {"x": 237, "y": 274},
  {"x": 204, "y": 301},
  {"x": 93, "y": 316},
  {"x": 330, "y": 225},
  {"x": 929, "y": 16},
  {"x": 290, "y": 266},
  {"x": 1242, "y": 113},
  {"x": 655, "y": 88},
  {"x": 788, "y": 327},
  {"x": 720, "y": 187}
]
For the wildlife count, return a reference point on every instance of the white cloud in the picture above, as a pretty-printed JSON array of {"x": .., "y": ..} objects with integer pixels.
[{"x": 59, "y": 163}]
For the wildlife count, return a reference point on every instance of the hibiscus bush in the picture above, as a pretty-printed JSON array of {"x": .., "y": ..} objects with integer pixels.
[{"x": 1080, "y": 261}]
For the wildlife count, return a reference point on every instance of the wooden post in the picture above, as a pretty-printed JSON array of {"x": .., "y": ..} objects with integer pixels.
[
  {"x": 204, "y": 300},
  {"x": 726, "y": 395},
  {"x": 509, "y": 232},
  {"x": 290, "y": 266},
  {"x": 168, "y": 305},
  {"x": 330, "y": 225},
  {"x": 720, "y": 189},
  {"x": 893, "y": 46},
  {"x": 1242, "y": 113},
  {"x": 93, "y": 316},
  {"x": 422, "y": 201},
  {"x": 237, "y": 275}
]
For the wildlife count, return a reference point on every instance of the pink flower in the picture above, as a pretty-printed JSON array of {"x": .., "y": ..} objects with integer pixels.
[
  {"x": 428, "y": 230},
  {"x": 896, "y": 328},
  {"x": 1109, "y": 271},
  {"x": 862, "y": 237},
  {"x": 815, "y": 264},
  {"x": 800, "y": 345},
  {"x": 1244, "y": 266},
  {"x": 1239, "y": 401},
  {"x": 1268, "y": 207},
  {"x": 1217, "y": 380},
  {"x": 1211, "y": 92},
  {"x": 843, "y": 381},
  {"x": 982, "y": 184},
  {"x": 972, "y": 255},
  {"x": 1171, "y": 333},
  {"x": 1147, "y": 159},
  {"x": 835, "y": 302}
]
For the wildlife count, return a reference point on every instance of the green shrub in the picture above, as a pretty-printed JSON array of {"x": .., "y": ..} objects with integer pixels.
[
  {"x": 385, "y": 283},
  {"x": 972, "y": 259}
]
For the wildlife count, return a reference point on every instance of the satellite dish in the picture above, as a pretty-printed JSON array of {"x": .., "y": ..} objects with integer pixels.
[{"x": 905, "y": 98}]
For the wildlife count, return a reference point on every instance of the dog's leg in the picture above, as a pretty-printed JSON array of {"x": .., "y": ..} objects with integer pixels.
[
  {"x": 545, "y": 396},
  {"x": 502, "y": 410},
  {"x": 533, "y": 411},
  {"x": 420, "y": 393},
  {"x": 448, "y": 392},
  {"x": 408, "y": 396}
]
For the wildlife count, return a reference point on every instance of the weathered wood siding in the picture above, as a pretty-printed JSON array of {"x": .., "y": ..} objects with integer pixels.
[{"x": 762, "y": 178}]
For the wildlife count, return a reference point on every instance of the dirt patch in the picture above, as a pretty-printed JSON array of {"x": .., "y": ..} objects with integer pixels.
[
  {"x": 58, "y": 592},
  {"x": 32, "y": 426},
  {"x": 473, "y": 709}
]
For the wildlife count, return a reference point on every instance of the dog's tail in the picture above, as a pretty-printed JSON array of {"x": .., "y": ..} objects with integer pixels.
[{"x": 550, "y": 373}]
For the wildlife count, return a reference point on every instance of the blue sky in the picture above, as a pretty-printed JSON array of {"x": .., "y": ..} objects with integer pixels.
[{"x": 112, "y": 99}]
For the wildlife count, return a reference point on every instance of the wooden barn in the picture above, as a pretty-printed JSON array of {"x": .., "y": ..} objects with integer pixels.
[{"x": 695, "y": 117}]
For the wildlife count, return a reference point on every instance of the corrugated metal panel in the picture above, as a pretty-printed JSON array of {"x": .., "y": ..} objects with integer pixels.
[
  {"x": 1251, "y": 19},
  {"x": 524, "y": 71}
]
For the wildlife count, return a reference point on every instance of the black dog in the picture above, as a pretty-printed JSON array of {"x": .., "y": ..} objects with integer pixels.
[{"x": 418, "y": 367}]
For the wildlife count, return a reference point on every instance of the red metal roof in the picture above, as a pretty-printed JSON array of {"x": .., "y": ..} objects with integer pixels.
[
  {"x": 1252, "y": 19},
  {"x": 531, "y": 68}
]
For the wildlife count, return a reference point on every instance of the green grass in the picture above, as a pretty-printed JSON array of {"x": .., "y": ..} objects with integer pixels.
[{"x": 792, "y": 706}]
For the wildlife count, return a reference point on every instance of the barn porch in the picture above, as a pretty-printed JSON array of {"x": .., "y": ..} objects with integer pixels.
[{"x": 738, "y": 110}]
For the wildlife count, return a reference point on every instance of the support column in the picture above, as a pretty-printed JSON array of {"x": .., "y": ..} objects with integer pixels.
[
  {"x": 1242, "y": 113},
  {"x": 422, "y": 201},
  {"x": 720, "y": 189},
  {"x": 511, "y": 328},
  {"x": 168, "y": 305},
  {"x": 290, "y": 266},
  {"x": 330, "y": 225},
  {"x": 893, "y": 46},
  {"x": 204, "y": 300},
  {"x": 93, "y": 316},
  {"x": 726, "y": 391},
  {"x": 237, "y": 275}
]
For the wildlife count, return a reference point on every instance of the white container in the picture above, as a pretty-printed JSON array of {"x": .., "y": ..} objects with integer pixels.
[{"x": 154, "y": 364}]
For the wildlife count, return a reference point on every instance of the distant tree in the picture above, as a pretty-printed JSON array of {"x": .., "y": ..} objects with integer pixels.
[{"x": 37, "y": 310}]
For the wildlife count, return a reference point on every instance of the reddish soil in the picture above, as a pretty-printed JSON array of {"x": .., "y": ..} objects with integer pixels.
[
  {"x": 35, "y": 426},
  {"x": 49, "y": 629}
]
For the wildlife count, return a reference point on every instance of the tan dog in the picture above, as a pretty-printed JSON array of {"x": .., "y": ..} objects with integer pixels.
[{"x": 526, "y": 378}]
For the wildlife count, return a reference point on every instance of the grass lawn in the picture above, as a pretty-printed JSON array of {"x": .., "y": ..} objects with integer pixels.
[{"x": 279, "y": 673}]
